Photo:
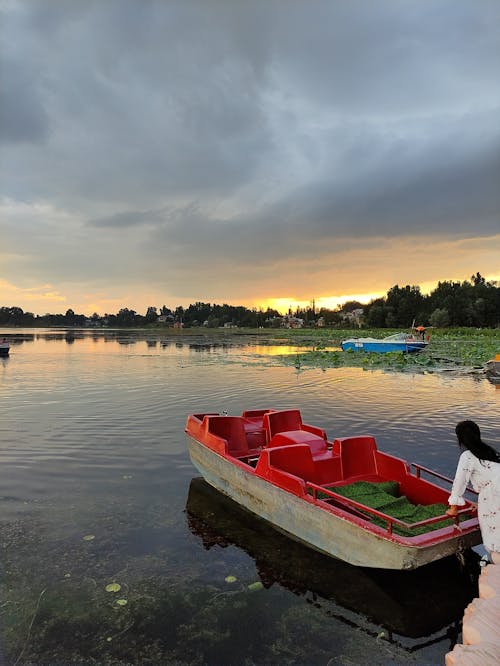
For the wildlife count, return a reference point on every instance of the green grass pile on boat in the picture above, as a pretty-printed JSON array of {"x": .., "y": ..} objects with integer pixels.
[{"x": 384, "y": 496}]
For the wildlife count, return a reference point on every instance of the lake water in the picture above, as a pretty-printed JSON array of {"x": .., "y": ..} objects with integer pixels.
[{"x": 96, "y": 488}]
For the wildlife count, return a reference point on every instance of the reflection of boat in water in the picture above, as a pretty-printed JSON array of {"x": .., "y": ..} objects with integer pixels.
[{"x": 411, "y": 604}]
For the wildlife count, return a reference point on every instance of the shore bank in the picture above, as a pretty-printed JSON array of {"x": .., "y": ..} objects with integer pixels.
[{"x": 481, "y": 640}]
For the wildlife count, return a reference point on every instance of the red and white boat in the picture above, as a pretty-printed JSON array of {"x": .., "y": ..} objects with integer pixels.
[{"x": 289, "y": 473}]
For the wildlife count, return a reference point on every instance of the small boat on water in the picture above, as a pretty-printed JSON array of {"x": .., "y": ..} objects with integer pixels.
[
  {"x": 4, "y": 347},
  {"x": 399, "y": 342},
  {"x": 340, "y": 497}
]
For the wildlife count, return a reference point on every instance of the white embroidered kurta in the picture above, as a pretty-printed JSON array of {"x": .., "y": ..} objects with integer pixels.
[{"x": 484, "y": 477}]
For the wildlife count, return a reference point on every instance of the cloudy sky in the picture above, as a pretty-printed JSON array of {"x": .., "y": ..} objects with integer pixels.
[{"x": 264, "y": 151}]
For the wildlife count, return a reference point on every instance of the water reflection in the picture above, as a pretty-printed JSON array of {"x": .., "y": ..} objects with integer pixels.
[
  {"x": 410, "y": 604},
  {"x": 286, "y": 349},
  {"x": 209, "y": 346},
  {"x": 92, "y": 442}
]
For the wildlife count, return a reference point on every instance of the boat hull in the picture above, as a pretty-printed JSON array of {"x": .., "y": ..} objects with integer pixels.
[
  {"x": 383, "y": 347},
  {"x": 324, "y": 530}
]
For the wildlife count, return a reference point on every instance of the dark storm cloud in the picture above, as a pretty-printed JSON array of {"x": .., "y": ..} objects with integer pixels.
[
  {"x": 420, "y": 190},
  {"x": 22, "y": 115},
  {"x": 129, "y": 218},
  {"x": 244, "y": 130},
  {"x": 409, "y": 189}
]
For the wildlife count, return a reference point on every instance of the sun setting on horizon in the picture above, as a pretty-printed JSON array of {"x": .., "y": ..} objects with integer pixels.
[{"x": 283, "y": 305}]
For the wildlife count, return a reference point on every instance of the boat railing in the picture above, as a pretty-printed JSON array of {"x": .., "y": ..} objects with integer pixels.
[
  {"x": 421, "y": 468},
  {"x": 390, "y": 520}
]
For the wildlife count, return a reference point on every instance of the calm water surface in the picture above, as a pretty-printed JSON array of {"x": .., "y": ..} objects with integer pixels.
[{"x": 96, "y": 488}]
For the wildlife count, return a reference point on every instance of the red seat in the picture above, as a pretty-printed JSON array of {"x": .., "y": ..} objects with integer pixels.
[
  {"x": 357, "y": 455},
  {"x": 318, "y": 445},
  {"x": 256, "y": 434},
  {"x": 286, "y": 420},
  {"x": 231, "y": 429},
  {"x": 295, "y": 459}
]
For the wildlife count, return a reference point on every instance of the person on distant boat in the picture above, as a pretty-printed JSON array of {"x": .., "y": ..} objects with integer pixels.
[
  {"x": 421, "y": 330},
  {"x": 479, "y": 464}
]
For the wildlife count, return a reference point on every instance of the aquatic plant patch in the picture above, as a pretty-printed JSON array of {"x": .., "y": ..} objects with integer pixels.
[{"x": 449, "y": 349}]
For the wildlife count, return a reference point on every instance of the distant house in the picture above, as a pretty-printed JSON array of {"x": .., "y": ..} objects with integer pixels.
[
  {"x": 289, "y": 321},
  {"x": 166, "y": 319},
  {"x": 354, "y": 318},
  {"x": 178, "y": 324}
]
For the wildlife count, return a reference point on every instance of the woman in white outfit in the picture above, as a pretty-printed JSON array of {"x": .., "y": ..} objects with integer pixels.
[{"x": 479, "y": 465}]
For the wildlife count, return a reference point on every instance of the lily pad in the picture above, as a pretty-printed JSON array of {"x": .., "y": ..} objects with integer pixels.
[
  {"x": 121, "y": 602},
  {"x": 89, "y": 537},
  {"x": 113, "y": 587},
  {"x": 230, "y": 579},
  {"x": 253, "y": 587}
]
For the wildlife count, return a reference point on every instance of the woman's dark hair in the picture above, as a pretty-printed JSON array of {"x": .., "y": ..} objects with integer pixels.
[{"x": 469, "y": 436}]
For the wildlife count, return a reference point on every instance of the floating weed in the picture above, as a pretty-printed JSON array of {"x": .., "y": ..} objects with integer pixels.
[
  {"x": 113, "y": 587},
  {"x": 89, "y": 537},
  {"x": 253, "y": 587},
  {"x": 450, "y": 349},
  {"x": 121, "y": 602},
  {"x": 230, "y": 579}
]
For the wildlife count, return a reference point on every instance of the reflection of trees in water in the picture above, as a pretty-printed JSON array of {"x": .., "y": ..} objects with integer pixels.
[
  {"x": 210, "y": 346},
  {"x": 152, "y": 340}
]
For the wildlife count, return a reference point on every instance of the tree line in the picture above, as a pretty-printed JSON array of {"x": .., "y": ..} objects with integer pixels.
[{"x": 474, "y": 303}]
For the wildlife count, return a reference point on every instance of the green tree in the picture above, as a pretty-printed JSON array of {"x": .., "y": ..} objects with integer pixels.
[
  {"x": 126, "y": 317},
  {"x": 151, "y": 315},
  {"x": 407, "y": 305},
  {"x": 439, "y": 318}
]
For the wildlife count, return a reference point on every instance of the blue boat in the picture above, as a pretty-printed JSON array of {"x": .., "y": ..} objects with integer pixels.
[{"x": 399, "y": 342}]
